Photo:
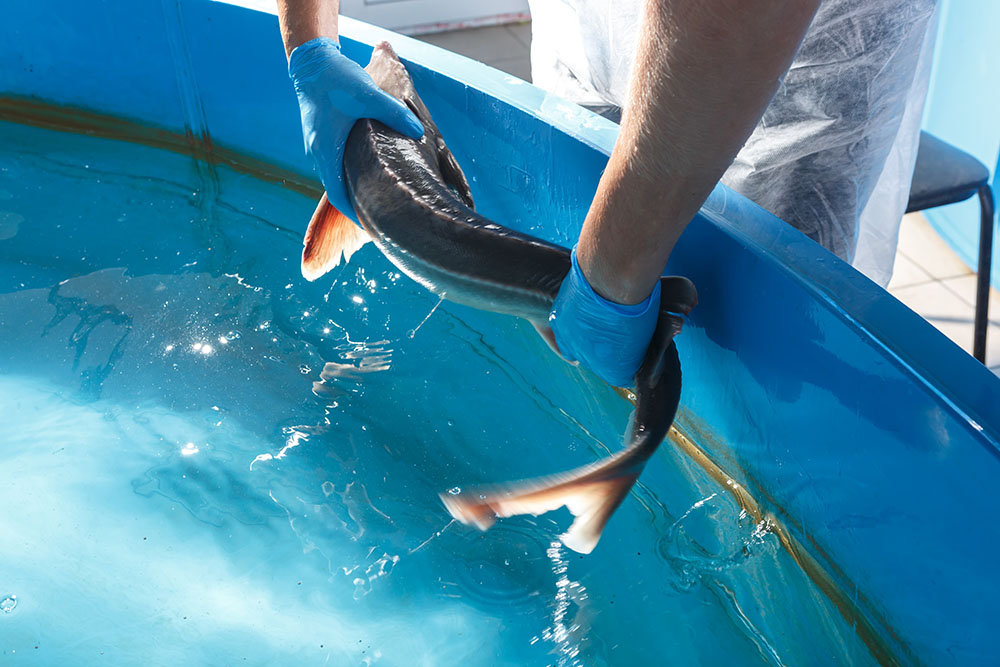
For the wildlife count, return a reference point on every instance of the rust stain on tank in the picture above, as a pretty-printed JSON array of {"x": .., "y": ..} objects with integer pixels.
[
  {"x": 37, "y": 113},
  {"x": 689, "y": 435}
]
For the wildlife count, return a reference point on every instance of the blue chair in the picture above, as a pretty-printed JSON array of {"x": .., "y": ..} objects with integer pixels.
[{"x": 946, "y": 175}]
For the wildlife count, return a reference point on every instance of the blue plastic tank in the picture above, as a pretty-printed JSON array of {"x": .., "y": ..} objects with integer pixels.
[{"x": 814, "y": 397}]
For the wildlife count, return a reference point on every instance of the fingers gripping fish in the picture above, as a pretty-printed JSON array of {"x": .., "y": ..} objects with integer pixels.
[{"x": 414, "y": 204}]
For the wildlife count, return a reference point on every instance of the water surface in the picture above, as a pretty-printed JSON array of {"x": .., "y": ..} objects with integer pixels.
[{"x": 207, "y": 460}]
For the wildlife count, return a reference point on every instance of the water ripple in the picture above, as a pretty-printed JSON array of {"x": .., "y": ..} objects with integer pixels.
[{"x": 705, "y": 541}]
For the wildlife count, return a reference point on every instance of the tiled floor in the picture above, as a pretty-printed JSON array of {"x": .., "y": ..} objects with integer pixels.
[{"x": 928, "y": 277}]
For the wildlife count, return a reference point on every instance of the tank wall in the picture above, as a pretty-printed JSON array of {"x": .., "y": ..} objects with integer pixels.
[
  {"x": 847, "y": 415},
  {"x": 210, "y": 68},
  {"x": 89, "y": 55},
  {"x": 843, "y": 442}
]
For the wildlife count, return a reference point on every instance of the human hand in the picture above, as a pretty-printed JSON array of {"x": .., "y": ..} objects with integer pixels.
[
  {"x": 608, "y": 338},
  {"x": 335, "y": 92}
]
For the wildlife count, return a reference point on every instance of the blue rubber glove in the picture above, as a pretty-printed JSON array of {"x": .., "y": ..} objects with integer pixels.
[
  {"x": 335, "y": 92},
  {"x": 607, "y": 337}
]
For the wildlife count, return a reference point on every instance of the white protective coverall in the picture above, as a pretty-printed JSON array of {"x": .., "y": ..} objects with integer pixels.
[{"x": 833, "y": 154}]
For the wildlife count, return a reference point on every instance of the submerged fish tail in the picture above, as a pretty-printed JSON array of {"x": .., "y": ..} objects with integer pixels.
[{"x": 591, "y": 493}]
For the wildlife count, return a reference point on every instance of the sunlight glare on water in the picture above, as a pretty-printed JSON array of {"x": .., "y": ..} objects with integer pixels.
[{"x": 209, "y": 460}]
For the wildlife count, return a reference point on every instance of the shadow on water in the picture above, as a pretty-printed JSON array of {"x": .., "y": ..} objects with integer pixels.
[{"x": 91, "y": 317}]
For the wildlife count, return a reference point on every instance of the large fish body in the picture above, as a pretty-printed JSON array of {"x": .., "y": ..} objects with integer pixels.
[{"x": 414, "y": 203}]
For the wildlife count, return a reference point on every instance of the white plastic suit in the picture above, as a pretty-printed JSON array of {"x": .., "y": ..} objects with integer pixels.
[{"x": 833, "y": 154}]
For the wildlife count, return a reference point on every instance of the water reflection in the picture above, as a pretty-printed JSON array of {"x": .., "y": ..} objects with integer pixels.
[
  {"x": 357, "y": 359},
  {"x": 300, "y": 529},
  {"x": 566, "y": 632}
]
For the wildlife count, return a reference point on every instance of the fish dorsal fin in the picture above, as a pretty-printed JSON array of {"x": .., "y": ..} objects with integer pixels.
[{"x": 330, "y": 234}]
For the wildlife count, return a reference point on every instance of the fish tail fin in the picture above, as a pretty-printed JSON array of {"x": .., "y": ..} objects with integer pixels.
[
  {"x": 591, "y": 493},
  {"x": 330, "y": 234},
  {"x": 593, "y": 505}
]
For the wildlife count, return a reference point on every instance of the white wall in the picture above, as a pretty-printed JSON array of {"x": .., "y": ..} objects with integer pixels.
[{"x": 414, "y": 17}]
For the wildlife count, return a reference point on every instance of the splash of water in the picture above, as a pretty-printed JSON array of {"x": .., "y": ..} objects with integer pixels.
[
  {"x": 380, "y": 568},
  {"x": 692, "y": 562},
  {"x": 564, "y": 632}
]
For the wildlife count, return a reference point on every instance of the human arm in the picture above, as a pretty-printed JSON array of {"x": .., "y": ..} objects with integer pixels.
[
  {"x": 334, "y": 92},
  {"x": 703, "y": 74},
  {"x": 304, "y": 20}
]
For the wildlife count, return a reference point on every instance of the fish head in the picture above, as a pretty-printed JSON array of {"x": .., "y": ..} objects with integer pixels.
[
  {"x": 331, "y": 235},
  {"x": 391, "y": 76}
]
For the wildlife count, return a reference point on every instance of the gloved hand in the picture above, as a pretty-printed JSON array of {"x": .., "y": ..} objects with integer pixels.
[
  {"x": 334, "y": 92},
  {"x": 608, "y": 338}
]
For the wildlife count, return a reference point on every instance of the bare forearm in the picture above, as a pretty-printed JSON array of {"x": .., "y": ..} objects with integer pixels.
[
  {"x": 704, "y": 73},
  {"x": 302, "y": 20}
]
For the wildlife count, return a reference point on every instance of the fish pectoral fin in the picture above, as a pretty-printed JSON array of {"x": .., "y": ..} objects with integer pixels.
[
  {"x": 549, "y": 336},
  {"x": 591, "y": 493},
  {"x": 330, "y": 234}
]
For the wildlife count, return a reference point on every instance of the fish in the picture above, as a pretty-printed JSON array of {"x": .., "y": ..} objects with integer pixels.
[{"x": 414, "y": 203}]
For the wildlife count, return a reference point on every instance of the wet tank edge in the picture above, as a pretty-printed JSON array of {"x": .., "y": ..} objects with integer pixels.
[{"x": 967, "y": 391}]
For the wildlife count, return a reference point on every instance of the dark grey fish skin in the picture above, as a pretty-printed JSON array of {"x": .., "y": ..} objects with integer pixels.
[
  {"x": 413, "y": 200},
  {"x": 422, "y": 223}
]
